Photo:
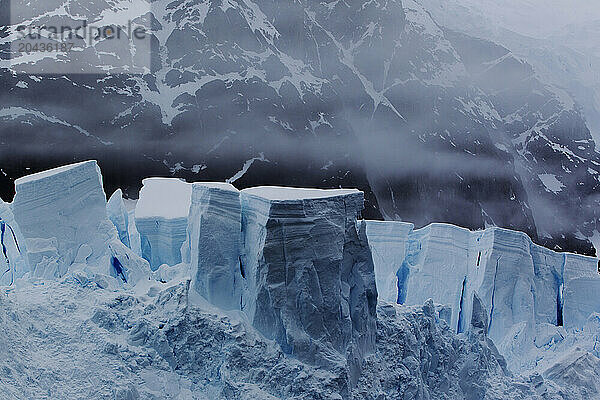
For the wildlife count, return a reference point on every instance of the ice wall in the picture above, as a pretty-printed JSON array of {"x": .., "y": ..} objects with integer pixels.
[
  {"x": 309, "y": 278},
  {"x": 523, "y": 288},
  {"x": 212, "y": 248},
  {"x": 161, "y": 218},
  {"x": 61, "y": 214},
  {"x": 581, "y": 292},
  {"x": 13, "y": 254},
  {"x": 387, "y": 240}
]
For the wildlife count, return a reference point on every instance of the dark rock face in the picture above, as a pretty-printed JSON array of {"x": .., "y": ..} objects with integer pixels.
[{"x": 334, "y": 94}]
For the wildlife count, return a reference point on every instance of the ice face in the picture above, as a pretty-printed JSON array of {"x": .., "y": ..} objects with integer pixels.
[
  {"x": 581, "y": 290},
  {"x": 309, "y": 278},
  {"x": 118, "y": 215},
  {"x": 388, "y": 240},
  {"x": 436, "y": 267},
  {"x": 518, "y": 285},
  {"x": 64, "y": 209},
  {"x": 13, "y": 254},
  {"x": 212, "y": 247},
  {"x": 61, "y": 214},
  {"x": 161, "y": 218}
]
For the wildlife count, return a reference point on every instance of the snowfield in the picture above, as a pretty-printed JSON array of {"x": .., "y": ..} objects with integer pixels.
[{"x": 275, "y": 296}]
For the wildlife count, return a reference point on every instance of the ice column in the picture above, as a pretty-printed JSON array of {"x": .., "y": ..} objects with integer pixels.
[
  {"x": 13, "y": 254},
  {"x": 310, "y": 283},
  {"x": 118, "y": 216},
  {"x": 388, "y": 240},
  {"x": 213, "y": 246}
]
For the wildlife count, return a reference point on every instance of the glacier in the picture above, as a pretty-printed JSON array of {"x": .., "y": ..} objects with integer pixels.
[
  {"x": 118, "y": 215},
  {"x": 161, "y": 218},
  {"x": 13, "y": 257},
  {"x": 528, "y": 293},
  {"x": 275, "y": 292},
  {"x": 213, "y": 244},
  {"x": 61, "y": 215},
  {"x": 388, "y": 246},
  {"x": 309, "y": 276}
]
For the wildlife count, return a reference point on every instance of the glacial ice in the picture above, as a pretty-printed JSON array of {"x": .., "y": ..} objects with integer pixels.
[
  {"x": 581, "y": 290},
  {"x": 309, "y": 279},
  {"x": 388, "y": 246},
  {"x": 13, "y": 256},
  {"x": 61, "y": 214},
  {"x": 524, "y": 289},
  {"x": 212, "y": 248},
  {"x": 305, "y": 274},
  {"x": 161, "y": 218},
  {"x": 123, "y": 346},
  {"x": 118, "y": 216}
]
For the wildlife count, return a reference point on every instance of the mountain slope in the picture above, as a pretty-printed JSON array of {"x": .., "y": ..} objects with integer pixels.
[{"x": 371, "y": 95}]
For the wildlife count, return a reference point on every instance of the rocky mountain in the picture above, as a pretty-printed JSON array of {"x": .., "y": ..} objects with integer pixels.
[{"x": 371, "y": 95}]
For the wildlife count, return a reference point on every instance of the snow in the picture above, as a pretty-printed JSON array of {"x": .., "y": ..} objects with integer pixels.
[
  {"x": 551, "y": 183},
  {"x": 246, "y": 167},
  {"x": 161, "y": 218},
  {"x": 166, "y": 198},
  {"x": 20, "y": 112},
  {"x": 92, "y": 343},
  {"x": 213, "y": 248}
]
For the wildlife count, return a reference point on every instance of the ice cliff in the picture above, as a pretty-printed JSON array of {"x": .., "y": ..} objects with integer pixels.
[
  {"x": 13, "y": 257},
  {"x": 212, "y": 248},
  {"x": 61, "y": 214},
  {"x": 309, "y": 276},
  {"x": 525, "y": 290},
  {"x": 272, "y": 293},
  {"x": 161, "y": 218}
]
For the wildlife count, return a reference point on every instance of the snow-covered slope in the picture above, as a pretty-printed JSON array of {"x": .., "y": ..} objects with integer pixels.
[{"x": 340, "y": 94}]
